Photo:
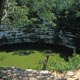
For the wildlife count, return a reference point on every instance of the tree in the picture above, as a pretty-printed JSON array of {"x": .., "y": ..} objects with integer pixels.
[
  {"x": 67, "y": 12},
  {"x": 68, "y": 17},
  {"x": 2, "y": 3},
  {"x": 30, "y": 12}
]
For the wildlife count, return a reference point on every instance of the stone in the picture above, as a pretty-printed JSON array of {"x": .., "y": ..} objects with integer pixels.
[
  {"x": 24, "y": 79},
  {"x": 54, "y": 73},
  {"x": 35, "y": 72},
  {"x": 9, "y": 70},
  {"x": 70, "y": 73},
  {"x": 52, "y": 77},
  {"x": 29, "y": 70},
  {"x": 39, "y": 75},
  {"x": 49, "y": 78},
  {"x": 77, "y": 74},
  {"x": 39, "y": 78},
  {"x": 32, "y": 78},
  {"x": 60, "y": 75},
  {"x": 70, "y": 79},
  {"x": 30, "y": 75},
  {"x": 13, "y": 67},
  {"x": 45, "y": 72},
  {"x": 1, "y": 79},
  {"x": 4, "y": 72}
]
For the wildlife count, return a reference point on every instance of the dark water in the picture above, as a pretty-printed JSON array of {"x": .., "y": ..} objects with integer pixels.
[{"x": 50, "y": 48}]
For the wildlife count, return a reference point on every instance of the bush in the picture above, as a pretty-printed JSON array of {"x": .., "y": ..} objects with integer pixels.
[
  {"x": 74, "y": 62},
  {"x": 57, "y": 63}
]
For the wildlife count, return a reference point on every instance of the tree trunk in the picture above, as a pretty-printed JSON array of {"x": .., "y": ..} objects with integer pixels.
[{"x": 45, "y": 62}]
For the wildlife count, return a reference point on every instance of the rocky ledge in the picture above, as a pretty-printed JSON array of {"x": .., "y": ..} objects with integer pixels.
[{"x": 29, "y": 74}]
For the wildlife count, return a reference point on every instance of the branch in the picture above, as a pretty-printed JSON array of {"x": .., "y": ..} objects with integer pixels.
[{"x": 4, "y": 15}]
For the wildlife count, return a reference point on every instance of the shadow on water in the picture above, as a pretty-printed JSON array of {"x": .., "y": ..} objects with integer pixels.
[{"x": 30, "y": 47}]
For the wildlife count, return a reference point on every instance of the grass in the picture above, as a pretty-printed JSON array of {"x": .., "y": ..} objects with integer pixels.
[
  {"x": 25, "y": 61},
  {"x": 57, "y": 63},
  {"x": 34, "y": 60}
]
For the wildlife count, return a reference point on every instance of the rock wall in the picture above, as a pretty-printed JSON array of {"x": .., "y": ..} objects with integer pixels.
[
  {"x": 29, "y": 74},
  {"x": 46, "y": 35}
]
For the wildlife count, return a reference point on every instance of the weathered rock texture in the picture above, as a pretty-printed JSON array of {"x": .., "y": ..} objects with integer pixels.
[{"x": 29, "y": 74}]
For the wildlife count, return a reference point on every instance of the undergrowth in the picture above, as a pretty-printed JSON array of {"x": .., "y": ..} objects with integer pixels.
[{"x": 34, "y": 59}]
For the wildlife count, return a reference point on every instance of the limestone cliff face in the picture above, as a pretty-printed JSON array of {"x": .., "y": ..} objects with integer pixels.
[{"x": 40, "y": 35}]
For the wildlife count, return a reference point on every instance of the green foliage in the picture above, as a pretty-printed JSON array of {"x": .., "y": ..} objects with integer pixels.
[
  {"x": 20, "y": 16},
  {"x": 74, "y": 62},
  {"x": 34, "y": 59},
  {"x": 57, "y": 63},
  {"x": 16, "y": 16},
  {"x": 77, "y": 14},
  {"x": 42, "y": 13},
  {"x": 30, "y": 12},
  {"x": 30, "y": 60},
  {"x": 67, "y": 8},
  {"x": 62, "y": 5}
]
